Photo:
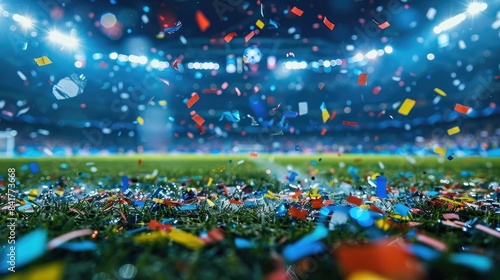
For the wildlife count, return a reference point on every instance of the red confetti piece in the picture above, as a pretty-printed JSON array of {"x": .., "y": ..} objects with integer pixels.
[
  {"x": 354, "y": 200},
  {"x": 193, "y": 100},
  {"x": 362, "y": 79},
  {"x": 317, "y": 203},
  {"x": 298, "y": 213},
  {"x": 333, "y": 115},
  {"x": 384, "y": 25},
  {"x": 376, "y": 90},
  {"x": 249, "y": 36},
  {"x": 154, "y": 225},
  {"x": 230, "y": 36},
  {"x": 139, "y": 162},
  {"x": 462, "y": 108},
  {"x": 321, "y": 86},
  {"x": 254, "y": 154},
  {"x": 328, "y": 23},
  {"x": 349, "y": 123},
  {"x": 202, "y": 21},
  {"x": 297, "y": 11},
  {"x": 175, "y": 65},
  {"x": 323, "y": 131},
  {"x": 451, "y": 216},
  {"x": 198, "y": 119}
]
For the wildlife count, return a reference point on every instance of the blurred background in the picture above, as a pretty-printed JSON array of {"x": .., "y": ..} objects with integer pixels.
[{"x": 104, "y": 77}]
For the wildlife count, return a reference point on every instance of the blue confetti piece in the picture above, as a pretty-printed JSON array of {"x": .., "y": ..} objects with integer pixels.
[
  {"x": 187, "y": 207},
  {"x": 381, "y": 183},
  {"x": 185, "y": 100},
  {"x": 139, "y": 203},
  {"x": 319, "y": 233},
  {"x": 432, "y": 193},
  {"x": 295, "y": 252},
  {"x": 312, "y": 162},
  {"x": 281, "y": 210},
  {"x": 124, "y": 183},
  {"x": 27, "y": 249},
  {"x": 79, "y": 246},
  {"x": 322, "y": 107},
  {"x": 324, "y": 211},
  {"x": 23, "y": 168},
  {"x": 173, "y": 29},
  {"x": 34, "y": 167},
  {"x": 273, "y": 24},
  {"x": 297, "y": 148},
  {"x": 250, "y": 204},
  {"x": 450, "y": 157},
  {"x": 474, "y": 261},
  {"x": 242, "y": 243},
  {"x": 402, "y": 209},
  {"x": 64, "y": 166},
  {"x": 352, "y": 170},
  {"x": 292, "y": 176}
]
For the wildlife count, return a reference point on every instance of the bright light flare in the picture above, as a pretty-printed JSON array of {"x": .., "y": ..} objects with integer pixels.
[
  {"x": 450, "y": 23},
  {"x": 65, "y": 40},
  {"x": 475, "y": 8},
  {"x": 371, "y": 54},
  {"x": 25, "y": 22},
  {"x": 388, "y": 49}
]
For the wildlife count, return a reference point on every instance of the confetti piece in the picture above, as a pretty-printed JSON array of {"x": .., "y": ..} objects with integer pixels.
[
  {"x": 381, "y": 183},
  {"x": 440, "y": 92},
  {"x": 303, "y": 108},
  {"x": 362, "y": 79},
  {"x": 328, "y": 23},
  {"x": 198, "y": 119},
  {"x": 193, "y": 100},
  {"x": 440, "y": 151},
  {"x": 384, "y": 25},
  {"x": 249, "y": 36},
  {"x": 260, "y": 24},
  {"x": 354, "y": 200},
  {"x": 349, "y": 123},
  {"x": 140, "y": 120},
  {"x": 210, "y": 180},
  {"x": 219, "y": 169},
  {"x": 406, "y": 107},
  {"x": 298, "y": 213},
  {"x": 202, "y": 21},
  {"x": 254, "y": 154},
  {"x": 42, "y": 61},
  {"x": 451, "y": 216},
  {"x": 453, "y": 130},
  {"x": 28, "y": 248},
  {"x": 450, "y": 158},
  {"x": 53, "y": 271},
  {"x": 175, "y": 65},
  {"x": 164, "y": 81},
  {"x": 325, "y": 115},
  {"x": 297, "y": 11},
  {"x": 376, "y": 90},
  {"x": 402, "y": 209},
  {"x": 230, "y": 36},
  {"x": 33, "y": 166},
  {"x": 54, "y": 243},
  {"x": 323, "y": 131},
  {"x": 462, "y": 108},
  {"x": 334, "y": 114}
]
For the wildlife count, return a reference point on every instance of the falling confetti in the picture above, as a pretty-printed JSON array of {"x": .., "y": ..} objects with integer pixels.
[{"x": 406, "y": 107}]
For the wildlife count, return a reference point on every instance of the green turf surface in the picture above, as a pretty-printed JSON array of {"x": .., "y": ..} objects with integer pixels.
[{"x": 164, "y": 259}]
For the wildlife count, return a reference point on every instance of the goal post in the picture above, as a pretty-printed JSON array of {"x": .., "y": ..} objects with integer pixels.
[{"x": 7, "y": 143}]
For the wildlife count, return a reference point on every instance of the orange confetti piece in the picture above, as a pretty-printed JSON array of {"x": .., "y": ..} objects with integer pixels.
[
  {"x": 349, "y": 123},
  {"x": 230, "y": 36},
  {"x": 328, "y": 23},
  {"x": 297, "y": 11},
  {"x": 384, "y": 25},
  {"x": 202, "y": 21},
  {"x": 323, "y": 131},
  {"x": 139, "y": 162},
  {"x": 254, "y": 154},
  {"x": 362, "y": 79},
  {"x": 193, "y": 100},
  {"x": 249, "y": 36},
  {"x": 462, "y": 108},
  {"x": 198, "y": 119}
]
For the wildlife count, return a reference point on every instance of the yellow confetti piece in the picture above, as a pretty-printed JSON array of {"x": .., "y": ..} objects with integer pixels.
[
  {"x": 219, "y": 169},
  {"x": 60, "y": 192},
  {"x": 440, "y": 151},
  {"x": 162, "y": 103},
  {"x": 210, "y": 180},
  {"x": 140, "y": 120},
  {"x": 440, "y": 92},
  {"x": 467, "y": 199},
  {"x": 375, "y": 175},
  {"x": 41, "y": 61},
  {"x": 406, "y": 106},
  {"x": 314, "y": 194},
  {"x": 325, "y": 115},
  {"x": 364, "y": 207},
  {"x": 260, "y": 24},
  {"x": 363, "y": 275},
  {"x": 186, "y": 239},
  {"x": 33, "y": 192},
  {"x": 453, "y": 130},
  {"x": 210, "y": 203},
  {"x": 270, "y": 195},
  {"x": 53, "y": 270},
  {"x": 382, "y": 224},
  {"x": 399, "y": 217},
  {"x": 332, "y": 182},
  {"x": 451, "y": 201}
]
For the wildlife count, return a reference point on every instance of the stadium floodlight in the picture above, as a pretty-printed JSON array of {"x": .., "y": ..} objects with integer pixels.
[
  {"x": 476, "y": 7},
  {"x": 65, "y": 40},
  {"x": 450, "y": 23},
  {"x": 25, "y": 22}
]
